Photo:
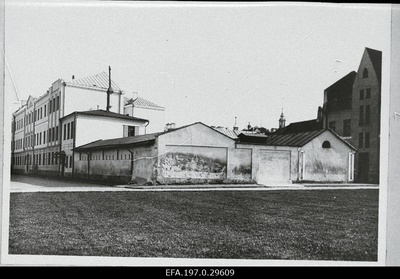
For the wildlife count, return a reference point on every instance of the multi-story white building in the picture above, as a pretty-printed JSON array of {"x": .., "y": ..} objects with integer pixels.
[{"x": 45, "y": 130}]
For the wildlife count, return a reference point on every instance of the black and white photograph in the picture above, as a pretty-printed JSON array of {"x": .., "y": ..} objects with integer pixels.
[{"x": 196, "y": 133}]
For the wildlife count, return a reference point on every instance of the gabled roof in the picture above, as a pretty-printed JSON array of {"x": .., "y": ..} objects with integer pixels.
[
  {"x": 301, "y": 126},
  {"x": 300, "y": 139},
  {"x": 141, "y": 102},
  {"x": 295, "y": 139},
  {"x": 104, "y": 113},
  {"x": 99, "y": 81},
  {"x": 110, "y": 143},
  {"x": 376, "y": 59}
]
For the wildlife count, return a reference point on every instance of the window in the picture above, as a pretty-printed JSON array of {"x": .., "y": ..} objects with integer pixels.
[
  {"x": 44, "y": 136},
  {"x": 367, "y": 140},
  {"x": 49, "y": 135},
  {"x": 367, "y": 114},
  {"x": 45, "y": 110},
  {"x": 41, "y": 113},
  {"x": 368, "y": 93},
  {"x": 326, "y": 144},
  {"x": 72, "y": 129},
  {"x": 365, "y": 73},
  {"x": 56, "y": 136},
  {"x": 52, "y": 134},
  {"x": 361, "y": 119},
  {"x": 65, "y": 131},
  {"x": 332, "y": 125},
  {"x": 70, "y": 161},
  {"x": 362, "y": 94},
  {"x": 58, "y": 102},
  {"x": 131, "y": 131},
  {"x": 360, "y": 140},
  {"x": 68, "y": 130}
]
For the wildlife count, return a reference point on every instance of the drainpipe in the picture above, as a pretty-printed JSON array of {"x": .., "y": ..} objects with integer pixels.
[
  {"x": 299, "y": 167},
  {"x": 145, "y": 126},
  {"x": 132, "y": 162},
  {"x": 73, "y": 146}
]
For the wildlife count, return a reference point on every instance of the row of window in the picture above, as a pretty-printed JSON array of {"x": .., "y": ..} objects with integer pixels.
[
  {"x": 40, "y": 138},
  {"x": 69, "y": 130},
  {"x": 45, "y": 159},
  {"x": 83, "y": 157},
  {"x": 53, "y": 106}
]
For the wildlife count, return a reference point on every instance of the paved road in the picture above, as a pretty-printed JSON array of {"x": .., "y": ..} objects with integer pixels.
[{"x": 20, "y": 184}]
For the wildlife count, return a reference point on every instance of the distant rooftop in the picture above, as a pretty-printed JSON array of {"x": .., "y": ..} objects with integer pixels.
[
  {"x": 99, "y": 80},
  {"x": 301, "y": 126},
  {"x": 228, "y": 132},
  {"x": 141, "y": 102}
]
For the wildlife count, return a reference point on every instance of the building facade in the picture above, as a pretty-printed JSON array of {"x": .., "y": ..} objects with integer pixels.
[
  {"x": 352, "y": 108},
  {"x": 40, "y": 124}
]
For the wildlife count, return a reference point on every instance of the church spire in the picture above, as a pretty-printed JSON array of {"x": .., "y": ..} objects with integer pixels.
[{"x": 282, "y": 121}]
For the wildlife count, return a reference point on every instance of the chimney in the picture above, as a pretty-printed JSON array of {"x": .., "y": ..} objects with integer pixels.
[
  {"x": 73, "y": 77},
  {"x": 169, "y": 126},
  {"x": 235, "y": 128},
  {"x": 109, "y": 90}
]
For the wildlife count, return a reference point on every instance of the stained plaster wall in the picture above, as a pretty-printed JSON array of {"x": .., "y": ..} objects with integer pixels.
[
  {"x": 115, "y": 165},
  {"x": 326, "y": 164},
  {"x": 199, "y": 139}
]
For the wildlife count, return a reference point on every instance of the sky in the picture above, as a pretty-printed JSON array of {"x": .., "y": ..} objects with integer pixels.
[{"x": 208, "y": 62}]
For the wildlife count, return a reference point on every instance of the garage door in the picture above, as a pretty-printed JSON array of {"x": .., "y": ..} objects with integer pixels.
[{"x": 274, "y": 167}]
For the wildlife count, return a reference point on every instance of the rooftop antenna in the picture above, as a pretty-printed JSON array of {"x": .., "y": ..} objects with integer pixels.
[{"x": 109, "y": 90}]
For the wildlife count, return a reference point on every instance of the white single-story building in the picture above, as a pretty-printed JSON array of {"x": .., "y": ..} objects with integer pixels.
[{"x": 196, "y": 153}]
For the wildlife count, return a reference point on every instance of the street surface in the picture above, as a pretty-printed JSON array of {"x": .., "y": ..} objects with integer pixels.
[{"x": 21, "y": 183}]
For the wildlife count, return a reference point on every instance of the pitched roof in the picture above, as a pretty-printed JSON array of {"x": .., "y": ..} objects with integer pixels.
[
  {"x": 294, "y": 139},
  {"x": 104, "y": 113},
  {"x": 301, "y": 126},
  {"x": 142, "y": 102},
  {"x": 228, "y": 132},
  {"x": 376, "y": 59},
  {"x": 110, "y": 143},
  {"x": 300, "y": 139},
  {"x": 252, "y": 137},
  {"x": 345, "y": 82},
  {"x": 125, "y": 141},
  {"x": 99, "y": 80}
]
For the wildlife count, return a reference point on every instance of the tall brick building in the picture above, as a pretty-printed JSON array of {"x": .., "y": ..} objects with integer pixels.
[{"x": 352, "y": 108}]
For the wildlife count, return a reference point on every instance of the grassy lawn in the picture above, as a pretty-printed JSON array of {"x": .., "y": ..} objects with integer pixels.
[{"x": 299, "y": 225}]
